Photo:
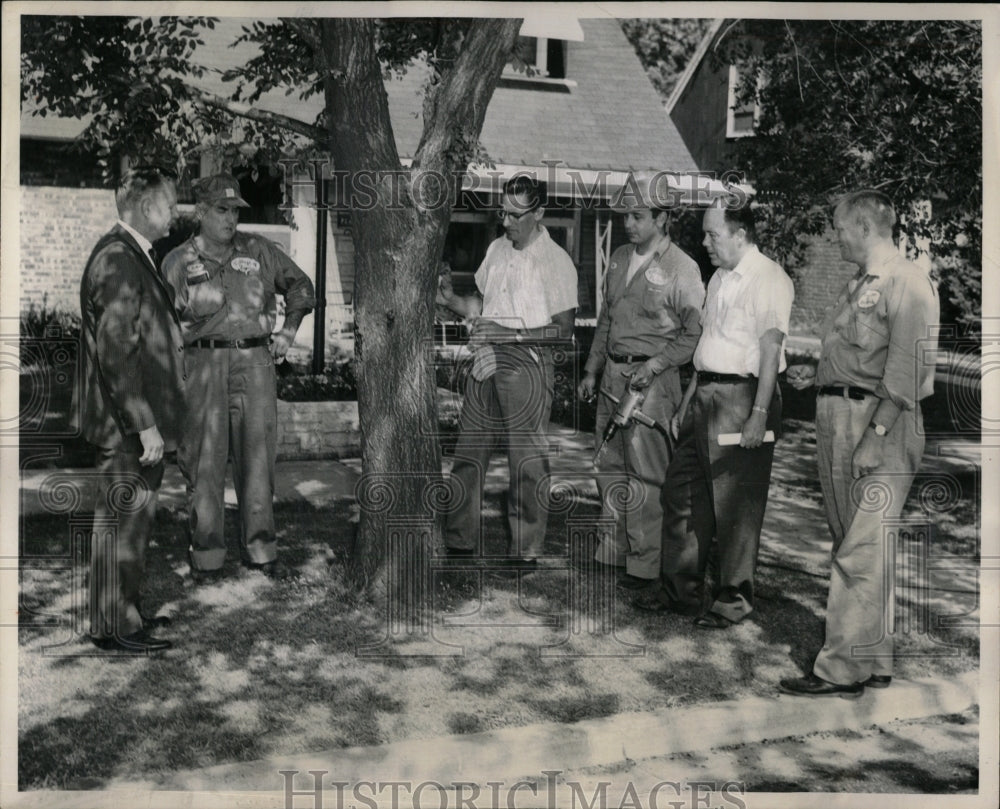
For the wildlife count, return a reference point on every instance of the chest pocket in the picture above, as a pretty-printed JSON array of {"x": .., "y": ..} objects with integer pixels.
[
  {"x": 655, "y": 304},
  {"x": 863, "y": 321},
  {"x": 205, "y": 295}
]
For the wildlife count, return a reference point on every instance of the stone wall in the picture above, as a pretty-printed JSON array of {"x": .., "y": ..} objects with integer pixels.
[{"x": 318, "y": 430}]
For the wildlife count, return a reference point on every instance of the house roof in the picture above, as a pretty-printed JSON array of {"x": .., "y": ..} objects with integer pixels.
[
  {"x": 692, "y": 66},
  {"x": 610, "y": 118}
]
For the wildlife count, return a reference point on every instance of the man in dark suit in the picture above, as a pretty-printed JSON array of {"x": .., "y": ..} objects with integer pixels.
[{"x": 130, "y": 401}]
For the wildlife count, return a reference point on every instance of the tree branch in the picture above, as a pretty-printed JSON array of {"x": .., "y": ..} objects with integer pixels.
[
  {"x": 304, "y": 29},
  {"x": 315, "y": 133}
]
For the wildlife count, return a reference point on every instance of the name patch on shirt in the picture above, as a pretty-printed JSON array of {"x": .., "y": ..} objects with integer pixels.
[
  {"x": 245, "y": 265},
  {"x": 868, "y": 299},
  {"x": 657, "y": 275}
]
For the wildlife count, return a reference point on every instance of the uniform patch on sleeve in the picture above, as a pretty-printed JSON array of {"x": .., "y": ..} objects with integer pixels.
[
  {"x": 245, "y": 265},
  {"x": 868, "y": 299},
  {"x": 657, "y": 275}
]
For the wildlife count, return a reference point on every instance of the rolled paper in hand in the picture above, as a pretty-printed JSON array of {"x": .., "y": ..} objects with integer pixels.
[{"x": 732, "y": 439}]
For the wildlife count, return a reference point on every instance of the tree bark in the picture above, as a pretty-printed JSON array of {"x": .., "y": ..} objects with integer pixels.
[{"x": 398, "y": 242}]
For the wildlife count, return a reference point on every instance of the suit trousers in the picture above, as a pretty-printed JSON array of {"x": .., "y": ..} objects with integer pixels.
[
  {"x": 512, "y": 406},
  {"x": 123, "y": 518},
  {"x": 232, "y": 412},
  {"x": 631, "y": 472},
  {"x": 861, "y": 514},
  {"x": 714, "y": 492}
]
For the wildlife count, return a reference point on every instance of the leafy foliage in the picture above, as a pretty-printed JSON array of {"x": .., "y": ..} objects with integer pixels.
[
  {"x": 665, "y": 47},
  {"x": 888, "y": 104}
]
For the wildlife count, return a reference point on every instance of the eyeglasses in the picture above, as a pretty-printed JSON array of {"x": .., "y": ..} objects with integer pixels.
[{"x": 503, "y": 215}]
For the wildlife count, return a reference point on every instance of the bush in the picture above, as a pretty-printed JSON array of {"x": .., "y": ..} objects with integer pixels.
[
  {"x": 336, "y": 385},
  {"x": 41, "y": 326}
]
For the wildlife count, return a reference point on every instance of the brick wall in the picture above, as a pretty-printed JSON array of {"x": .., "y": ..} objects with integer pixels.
[
  {"x": 59, "y": 228},
  {"x": 818, "y": 281}
]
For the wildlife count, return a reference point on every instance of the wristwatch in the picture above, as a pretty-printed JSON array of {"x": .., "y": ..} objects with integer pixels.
[{"x": 879, "y": 429}]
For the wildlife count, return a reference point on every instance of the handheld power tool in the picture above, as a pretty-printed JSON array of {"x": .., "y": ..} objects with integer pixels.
[{"x": 628, "y": 411}]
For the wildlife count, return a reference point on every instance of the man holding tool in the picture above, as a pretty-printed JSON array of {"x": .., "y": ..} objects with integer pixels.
[{"x": 647, "y": 329}]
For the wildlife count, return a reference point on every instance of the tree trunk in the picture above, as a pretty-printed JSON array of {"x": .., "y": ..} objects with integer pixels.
[{"x": 397, "y": 253}]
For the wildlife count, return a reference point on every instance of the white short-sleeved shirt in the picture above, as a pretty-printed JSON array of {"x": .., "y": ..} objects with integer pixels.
[
  {"x": 523, "y": 289},
  {"x": 741, "y": 304}
]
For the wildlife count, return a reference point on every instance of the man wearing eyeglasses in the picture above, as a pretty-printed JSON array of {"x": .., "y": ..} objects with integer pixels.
[
  {"x": 528, "y": 286},
  {"x": 647, "y": 329}
]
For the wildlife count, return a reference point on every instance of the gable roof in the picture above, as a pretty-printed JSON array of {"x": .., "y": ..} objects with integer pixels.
[{"x": 610, "y": 118}]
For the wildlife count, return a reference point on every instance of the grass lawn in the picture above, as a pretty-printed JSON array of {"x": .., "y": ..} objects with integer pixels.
[{"x": 262, "y": 667}]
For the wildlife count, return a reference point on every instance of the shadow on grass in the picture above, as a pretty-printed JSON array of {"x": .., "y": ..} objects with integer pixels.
[{"x": 270, "y": 668}]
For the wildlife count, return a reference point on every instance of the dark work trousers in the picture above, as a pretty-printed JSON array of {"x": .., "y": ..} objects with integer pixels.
[
  {"x": 635, "y": 461},
  {"x": 123, "y": 518},
  {"x": 232, "y": 412},
  {"x": 513, "y": 405},
  {"x": 716, "y": 492}
]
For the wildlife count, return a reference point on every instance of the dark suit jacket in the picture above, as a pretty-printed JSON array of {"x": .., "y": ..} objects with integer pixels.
[{"x": 131, "y": 347}]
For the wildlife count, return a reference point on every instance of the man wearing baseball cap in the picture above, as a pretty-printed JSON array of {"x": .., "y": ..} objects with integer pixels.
[
  {"x": 647, "y": 329},
  {"x": 225, "y": 284}
]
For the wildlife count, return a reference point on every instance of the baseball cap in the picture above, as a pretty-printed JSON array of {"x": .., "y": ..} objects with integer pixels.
[{"x": 219, "y": 188}]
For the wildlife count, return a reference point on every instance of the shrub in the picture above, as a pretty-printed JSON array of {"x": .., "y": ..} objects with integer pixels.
[{"x": 336, "y": 385}]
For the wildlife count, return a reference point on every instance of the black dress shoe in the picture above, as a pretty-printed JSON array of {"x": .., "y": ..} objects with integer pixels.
[
  {"x": 713, "y": 620},
  {"x": 878, "y": 681},
  {"x": 513, "y": 563},
  {"x": 813, "y": 686},
  {"x": 273, "y": 570},
  {"x": 140, "y": 642},
  {"x": 651, "y": 602},
  {"x": 630, "y": 582},
  {"x": 461, "y": 557}
]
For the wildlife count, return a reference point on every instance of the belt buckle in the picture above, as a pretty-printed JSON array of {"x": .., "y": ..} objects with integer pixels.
[
  {"x": 845, "y": 391},
  {"x": 241, "y": 343}
]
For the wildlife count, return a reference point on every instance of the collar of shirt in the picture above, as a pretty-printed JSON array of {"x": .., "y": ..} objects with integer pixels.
[{"x": 143, "y": 242}]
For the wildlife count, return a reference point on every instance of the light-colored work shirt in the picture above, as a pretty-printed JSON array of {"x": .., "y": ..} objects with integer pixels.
[
  {"x": 655, "y": 313},
  {"x": 881, "y": 335},
  {"x": 523, "y": 289},
  {"x": 742, "y": 304},
  {"x": 234, "y": 298}
]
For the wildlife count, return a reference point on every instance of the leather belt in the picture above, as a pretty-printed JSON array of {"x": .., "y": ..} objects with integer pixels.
[
  {"x": 627, "y": 358},
  {"x": 711, "y": 376},
  {"x": 248, "y": 342},
  {"x": 846, "y": 391}
]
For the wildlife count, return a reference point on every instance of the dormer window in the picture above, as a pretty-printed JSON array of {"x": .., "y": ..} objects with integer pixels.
[
  {"x": 543, "y": 57},
  {"x": 741, "y": 119}
]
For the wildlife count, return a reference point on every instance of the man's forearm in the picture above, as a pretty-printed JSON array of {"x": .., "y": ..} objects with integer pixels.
[
  {"x": 292, "y": 322},
  {"x": 767, "y": 377}
]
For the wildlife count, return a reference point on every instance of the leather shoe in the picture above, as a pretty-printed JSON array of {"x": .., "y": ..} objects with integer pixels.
[
  {"x": 513, "y": 563},
  {"x": 813, "y": 686},
  {"x": 878, "y": 681},
  {"x": 273, "y": 570},
  {"x": 630, "y": 582},
  {"x": 139, "y": 642},
  {"x": 156, "y": 621},
  {"x": 712, "y": 620},
  {"x": 653, "y": 603},
  {"x": 461, "y": 557}
]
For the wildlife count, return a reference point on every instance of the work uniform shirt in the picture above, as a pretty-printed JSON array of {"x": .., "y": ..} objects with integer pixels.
[
  {"x": 656, "y": 313},
  {"x": 523, "y": 289},
  {"x": 742, "y": 304},
  {"x": 234, "y": 298},
  {"x": 878, "y": 336}
]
